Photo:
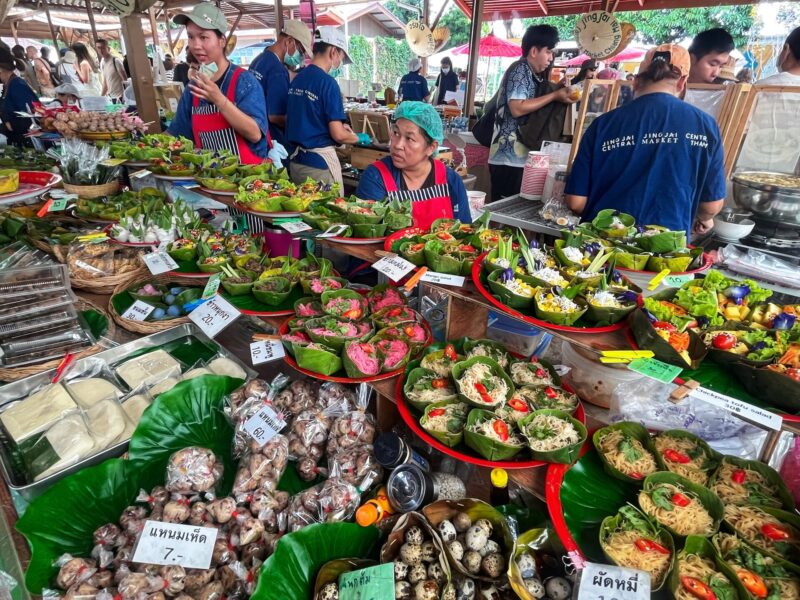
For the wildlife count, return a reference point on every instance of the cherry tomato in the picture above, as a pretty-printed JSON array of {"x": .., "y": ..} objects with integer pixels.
[
  {"x": 443, "y": 235},
  {"x": 776, "y": 532},
  {"x": 739, "y": 476},
  {"x": 676, "y": 457},
  {"x": 518, "y": 405},
  {"x": 541, "y": 373},
  {"x": 679, "y": 499},
  {"x": 408, "y": 330},
  {"x": 450, "y": 352},
  {"x": 550, "y": 392},
  {"x": 416, "y": 247},
  {"x": 353, "y": 313},
  {"x": 697, "y": 588},
  {"x": 723, "y": 341},
  {"x": 394, "y": 312},
  {"x": 436, "y": 412},
  {"x": 501, "y": 429},
  {"x": 636, "y": 475},
  {"x": 666, "y": 326},
  {"x": 646, "y": 545},
  {"x": 440, "y": 383},
  {"x": 752, "y": 583}
]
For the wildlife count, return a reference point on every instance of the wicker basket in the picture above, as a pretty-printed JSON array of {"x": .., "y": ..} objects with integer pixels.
[
  {"x": 150, "y": 327},
  {"x": 14, "y": 374},
  {"x": 107, "y": 285},
  {"x": 93, "y": 191}
]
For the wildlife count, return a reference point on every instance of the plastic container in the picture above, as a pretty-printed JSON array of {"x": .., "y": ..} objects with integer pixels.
[
  {"x": 279, "y": 242},
  {"x": 392, "y": 451},
  {"x": 410, "y": 488},
  {"x": 517, "y": 337},
  {"x": 593, "y": 381}
]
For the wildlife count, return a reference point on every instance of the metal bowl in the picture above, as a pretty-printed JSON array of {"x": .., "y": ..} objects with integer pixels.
[{"x": 766, "y": 200}]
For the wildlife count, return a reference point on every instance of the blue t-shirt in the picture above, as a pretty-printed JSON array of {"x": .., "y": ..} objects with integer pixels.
[
  {"x": 314, "y": 101},
  {"x": 519, "y": 83},
  {"x": 19, "y": 97},
  {"x": 413, "y": 86},
  {"x": 371, "y": 187},
  {"x": 656, "y": 158},
  {"x": 274, "y": 79},
  {"x": 249, "y": 100}
]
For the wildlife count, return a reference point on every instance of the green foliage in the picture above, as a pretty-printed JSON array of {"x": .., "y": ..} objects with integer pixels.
[
  {"x": 360, "y": 50},
  {"x": 459, "y": 26},
  {"x": 404, "y": 14},
  {"x": 393, "y": 57}
]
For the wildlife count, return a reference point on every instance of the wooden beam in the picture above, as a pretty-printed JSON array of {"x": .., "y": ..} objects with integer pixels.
[
  {"x": 543, "y": 5},
  {"x": 151, "y": 12},
  {"x": 439, "y": 15},
  {"x": 14, "y": 32},
  {"x": 474, "y": 54},
  {"x": 141, "y": 73},
  {"x": 90, "y": 14},
  {"x": 279, "y": 20},
  {"x": 232, "y": 30},
  {"x": 169, "y": 34}
]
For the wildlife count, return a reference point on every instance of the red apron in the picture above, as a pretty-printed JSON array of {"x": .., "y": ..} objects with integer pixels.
[
  {"x": 212, "y": 132},
  {"x": 427, "y": 204}
]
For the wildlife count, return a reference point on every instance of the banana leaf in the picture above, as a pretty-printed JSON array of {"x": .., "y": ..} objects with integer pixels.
[
  {"x": 456, "y": 413},
  {"x": 775, "y": 388},
  {"x": 711, "y": 503},
  {"x": 292, "y": 569},
  {"x": 413, "y": 334},
  {"x": 416, "y": 382},
  {"x": 783, "y": 500},
  {"x": 647, "y": 339},
  {"x": 437, "y": 360},
  {"x": 661, "y": 243},
  {"x": 318, "y": 359},
  {"x": 710, "y": 456},
  {"x": 745, "y": 560},
  {"x": 237, "y": 288},
  {"x": 726, "y": 357},
  {"x": 413, "y": 252},
  {"x": 538, "y": 543},
  {"x": 331, "y": 570},
  {"x": 628, "y": 259},
  {"x": 441, "y": 510},
  {"x": 394, "y": 354},
  {"x": 676, "y": 262},
  {"x": 792, "y": 554},
  {"x": 635, "y": 431},
  {"x": 272, "y": 291},
  {"x": 311, "y": 265},
  {"x": 182, "y": 254},
  {"x": 438, "y": 261},
  {"x": 322, "y": 222},
  {"x": 608, "y": 314},
  {"x": 489, "y": 264},
  {"x": 217, "y": 184},
  {"x": 507, "y": 296},
  {"x": 449, "y": 225},
  {"x": 336, "y": 331},
  {"x": 330, "y": 300},
  {"x": 370, "y": 353},
  {"x": 148, "y": 298},
  {"x": 556, "y": 318},
  {"x": 316, "y": 286},
  {"x": 213, "y": 267},
  {"x": 63, "y": 519},
  {"x": 555, "y": 398},
  {"x": 630, "y": 518},
  {"x": 411, "y": 235},
  {"x": 294, "y": 337},
  {"x": 395, "y": 315},
  {"x": 605, "y": 218},
  {"x": 383, "y": 295},
  {"x": 308, "y": 307},
  {"x": 490, "y": 348},
  {"x": 724, "y": 583},
  {"x": 558, "y": 250},
  {"x": 369, "y": 230},
  {"x": 372, "y": 218},
  {"x": 395, "y": 221},
  {"x": 566, "y": 454},
  {"x": 487, "y": 447},
  {"x": 536, "y": 372},
  {"x": 294, "y": 204},
  {"x": 460, "y": 368}
]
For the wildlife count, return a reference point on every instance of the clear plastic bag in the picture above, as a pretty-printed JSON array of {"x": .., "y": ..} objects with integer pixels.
[
  {"x": 73, "y": 570},
  {"x": 193, "y": 470},
  {"x": 262, "y": 467},
  {"x": 357, "y": 466},
  {"x": 356, "y": 428},
  {"x": 95, "y": 260},
  {"x": 245, "y": 402},
  {"x": 336, "y": 396},
  {"x": 299, "y": 396},
  {"x": 328, "y": 502}
]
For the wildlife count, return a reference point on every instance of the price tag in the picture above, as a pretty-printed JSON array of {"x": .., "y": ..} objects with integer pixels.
[
  {"x": 214, "y": 315},
  {"x": 56, "y": 194},
  {"x": 295, "y": 226},
  {"x": 212, "y": 287},
  {"x": 174, "y": 544},
  {"x": 443, "y": 279},
  {"x": 266, "y": 351},
  {"x": 657, "y": 279},
  {"x": 394, "y": 267},
  {"x": 159, "y": 262},
  {"x": 739, "y": 407},
  {"x": 58, "y": 205},
  {"x": 372, "y": 583},
  {"x": 264, "y": 425},
  {"x": 140, "y": 174},
  {"x": 332, "y": 231},
  {"x": 607, "y": 582},
  {"x": 113, "y": 162},
  {"x": 655, "y": 369},
  {"x": 677, "y": 281},
  {"x": 138, "y": 311}
]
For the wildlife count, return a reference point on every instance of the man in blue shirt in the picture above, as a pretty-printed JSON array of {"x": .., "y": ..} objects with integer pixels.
[
  {"x": 656, "y": 158},
  {"x": 315, "y": 119},
  {"x": 269, "y": 67},
  {"x": 414, "y": 86}
]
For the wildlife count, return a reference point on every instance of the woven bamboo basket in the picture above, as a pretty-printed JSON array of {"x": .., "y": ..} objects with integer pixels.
[
  {"x": 14, "y": 374},
  {"x": 93, "y": 191},
  {"x": 107, "y": 285},
  {"x": 150, "y": 327}
]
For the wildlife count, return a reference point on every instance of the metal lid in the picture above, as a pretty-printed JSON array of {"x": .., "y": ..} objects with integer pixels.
[
  {"x": 409, "y": 487},
  {"x": 389, "y": 449}
]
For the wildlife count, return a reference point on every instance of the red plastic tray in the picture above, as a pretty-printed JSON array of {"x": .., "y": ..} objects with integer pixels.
[
  {"x": 408, "y": 232},
  {"x": 552, "y": 489}
]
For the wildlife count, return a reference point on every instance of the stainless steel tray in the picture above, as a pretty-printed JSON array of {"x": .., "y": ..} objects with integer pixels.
[
  {"x": 21, "y": 389},
  {"x": 516, "y": 211}
]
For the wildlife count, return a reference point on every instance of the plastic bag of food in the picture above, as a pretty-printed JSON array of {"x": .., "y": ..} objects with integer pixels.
[
  {"x": 73, "y": 570},
  {"x": 64, "y": 444},
  {"x": 308, "y": 436},
  {"x": 357, "y": 466},
  {"x": 241, "y": 407},
  {"x": 336, "y": 395},
  {"x": 327, "y": 502},
  {"x": 355, "y": 428},
  {"x": 193, "y": 470},
  {"x": 262, "y": 467},
  {"x": 157, "y": 370},
  {"x": 94, "y": 260},
  {"x": 198, "y": 369},
  {"x": 300, "y": 395},
  {"x": 107, "y": 538},
  {"x": 91, "y": 380}
]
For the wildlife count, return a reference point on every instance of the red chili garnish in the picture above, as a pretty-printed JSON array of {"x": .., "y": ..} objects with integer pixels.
[
  {"x": 518, "y": 404},
  {"x": 665, "y": 325},
  {"x": 436, "y": 412},
  {"x": 752, "y": 583},
  {"x": 450, "y": 352},
  {"x": 636, "y": 475},
  {"x": 679, "y": 499},
  {"x": 501, "y": 429},
  {"x": 466, "y": 248},
  {"x": 439, "y": 383},
  {"x": 646, "y": 545},
  {"x": 697, "y": 588},
  {"x": 394, "y": 312},
  {"x": 676, "y": 457},
  {"x": 739, "y": 476},
  {"x": 723, "y": 341},
  {"x": 776, "y": 532},
  {"x": 443, "y": 235},
  {"x": 481, "y": 389},
  {"x": 541, "y": 373},
  {"x": 550, "y": 393},
  {"x": 534, "y": 359}
]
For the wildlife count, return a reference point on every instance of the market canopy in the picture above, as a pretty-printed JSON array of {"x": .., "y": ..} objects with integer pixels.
[
  {"x": 492, "y": 46},
  {"x": 633, "y": 54}
]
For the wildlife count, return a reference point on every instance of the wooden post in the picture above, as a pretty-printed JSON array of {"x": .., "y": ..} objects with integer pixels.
[
  {"x": 426, "y": 9},
  {"x": 90, "y": 13},
  {"x": 474, "y": 53},
  {"x": 279, "y": 19},
  {"x": 435, "y": 22},
  {"x": 52, "y": 29},
  {"x": 154, "y": 31},
  {"x": 141, "y": 73},
  {"x": 14, "y": 32},
  {"x": 169, "y": 35}
]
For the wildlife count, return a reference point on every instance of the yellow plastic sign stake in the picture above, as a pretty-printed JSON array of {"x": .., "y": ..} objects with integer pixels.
[
  {"x": 657, "y": 279},
  {"x": 628, "y": 354}
]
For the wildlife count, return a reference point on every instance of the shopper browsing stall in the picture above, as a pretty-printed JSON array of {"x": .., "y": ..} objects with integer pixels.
[
  {"x": 414, "y": 86},
  {"x": 411, "y": 173},
  {"x": 447, "y": 80},
  {"x": 17, "y": 96},
  {"x": 788, "y": 62},
  {"x": 709, "y": 52},
  {"x": 315, "y": 119},
  {"x": 657, "y": 158}
]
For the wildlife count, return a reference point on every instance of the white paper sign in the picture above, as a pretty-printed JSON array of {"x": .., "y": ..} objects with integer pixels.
[
  {"x": 332, "y": 231},
  {"x": 140, "y": 174},
  {"x": 394, "y": 267},
  {"x": 138, "y": 311},
  {"x": 264, "y": 425},
  {"x": 159, "y": 262},
  {"x": 295, "y": 226},
  {"x": 443, "y": 278},
  {"x": 607, "y": 582},
  {"x": 214, "y": 315},
  {"x": 174, "y": 544},
  {"x": 738, "y": 407},
  {"x": 266, "y": 351}
]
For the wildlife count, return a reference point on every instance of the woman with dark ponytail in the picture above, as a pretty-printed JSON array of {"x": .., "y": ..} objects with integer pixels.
[
  {"x": 17, "y": 97},
  {"x": 657, "y": 157}
]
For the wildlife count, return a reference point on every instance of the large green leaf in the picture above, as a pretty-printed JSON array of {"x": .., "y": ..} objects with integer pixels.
[
  {"x": 290, "y": 572},
  {"x": 97, "y": 322},
  {"x": 249, "y": 302}
]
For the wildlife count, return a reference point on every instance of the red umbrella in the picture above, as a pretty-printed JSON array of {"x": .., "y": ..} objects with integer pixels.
[
  {"x": 629, "y": 54},
  {"x": 492, "y": 46}
]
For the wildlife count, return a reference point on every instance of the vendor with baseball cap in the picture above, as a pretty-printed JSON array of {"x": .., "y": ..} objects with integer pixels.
[
  {"x": 414, "y": 86},
  {"x": 410, "y": 173},
  {"x": 67, "y": 94},
  {"x": 269, "y": 67},
  {"x": 656, "y": 158},
  {"x": 222, "y": 108},
  {"x": 315, "y": 119}
]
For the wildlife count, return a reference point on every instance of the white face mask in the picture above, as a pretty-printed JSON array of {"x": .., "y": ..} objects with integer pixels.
[{"x": 445, "y": 70}]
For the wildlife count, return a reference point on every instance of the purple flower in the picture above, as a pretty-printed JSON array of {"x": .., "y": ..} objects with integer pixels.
[
  {"x": 737, "y": 292},
  {"x": 522, "y": 262},
  {"x": 616, "y": 276},
  {"x": 650, "y": 316},
  {"x": 759, "y": 346},
  {"x": 641, "y": 228},
  {"x": 507, "y": 275},
  {"x": 783, "y": 321},
  {"x": 628, "y": 296},
  {"x": 533, "y": 244},
  {"x": 703, "y": 322}
]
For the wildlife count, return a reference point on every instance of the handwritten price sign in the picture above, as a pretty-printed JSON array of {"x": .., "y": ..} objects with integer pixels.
[
  {"x": 138, "y": 311},
  {"x": 606, "y": 582},
  {"x": 266, "y": 351},
  {"x": 373, "y": 583},
  {"x": 394, "y": 267},
  {"x": 159, "y": 262},
  {"x": 264, "y": 425},
  {"x": 214, "y": 315},
  {"x": 174, "y": 544},
  {"x": 655, "y": 369}
]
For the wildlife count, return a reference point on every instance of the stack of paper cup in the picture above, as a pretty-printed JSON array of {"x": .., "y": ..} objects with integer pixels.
[
  {"x": 534, "y": 175},
  {"x": 476, "y": 201}
]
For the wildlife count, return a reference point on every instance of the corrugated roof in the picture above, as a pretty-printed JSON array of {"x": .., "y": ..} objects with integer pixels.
[{"x": 509, "y": 9}]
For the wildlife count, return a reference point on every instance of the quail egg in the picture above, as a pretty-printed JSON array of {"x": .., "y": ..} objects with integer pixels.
[
  {"x": 436, "y": 573},
  {"x": 486, "y": 525},
  {"x": 330, "y": 591},
  {"x": 449, "y": 593},
  {"x": 456, "y": 549},
  {"x": 414, "y": 535},
  {"x": 447, "y": 530},
  {"x": 476, "y": 538},
  {"x": 472, "y": 561},
  {"x": 465, "y": 589},
  {"x": 535, "y": 587},
  {"x": 493, "y": 565},
  {"x": 462, "y": 522},
  {"x": 491, "y": 547},
  {"x": 400, "y": 570},
  {"x": 426, "y": 590},
  {"x": 527, "y": 566},
  {"x": 558, "y": 588},
  {"x": 417, "y": 573},
  {"x": 403, "y": 591},
  {"x": 429, "y": 552},
  {"x": 411, "y": 554}
]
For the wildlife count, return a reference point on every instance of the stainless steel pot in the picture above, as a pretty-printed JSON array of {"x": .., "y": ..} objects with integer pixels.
[{"x": 774, "y": 202}]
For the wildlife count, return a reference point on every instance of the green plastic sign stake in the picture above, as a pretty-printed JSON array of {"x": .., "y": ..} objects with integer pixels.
[
  {"x": 372, "y": 583},
  {"x": 655, "y": 369}
]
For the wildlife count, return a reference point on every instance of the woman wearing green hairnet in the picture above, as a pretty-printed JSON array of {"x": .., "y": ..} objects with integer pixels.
[{"x": 411, "y": 173}]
